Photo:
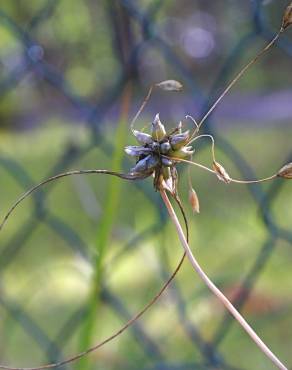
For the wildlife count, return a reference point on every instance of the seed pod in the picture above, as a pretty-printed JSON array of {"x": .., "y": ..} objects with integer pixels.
[
  {"x": 179, "y": 140},
  {"x": 170, "y": 85},
  {"x": 168, "y": 182},
  {"x": 287, "y": 19},
  {"x": 136, "y": 151},
  {"x": 166, "y": 162},
  {"x": 182, "y": 153},
  {"x": 146, "y": 164},
  {"x": 165, "y": 147},
  {"x": 152, "y": 162},
  {"x": 142, "y": 137},
  {"x": 141, "y": 166},
  {"x": 221, "y": 173},
  {"x": 286, "y": 171},
  {"x": 158, "y": 131},
  {"x": 194, "y": 201},
  {"x": 166, "y": 173}
]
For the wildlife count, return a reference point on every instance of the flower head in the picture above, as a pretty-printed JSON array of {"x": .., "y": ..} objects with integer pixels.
[{"x": 159, "y": 153}]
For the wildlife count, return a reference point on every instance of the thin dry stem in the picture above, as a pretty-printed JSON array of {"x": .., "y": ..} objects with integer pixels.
[
  {"x": 133, "y": 319},
  {"x": 65, "y": 174},
  {"x": 110, "y": 338},
  {"x": 239, "y": 75},
  {"x": 263, "y": 347},
  {"x": 272, "y": 177},
  {"x": 207, "y": 136},
  {"x": 141, "y": 107},
  {"x": 197, "y": 128}
]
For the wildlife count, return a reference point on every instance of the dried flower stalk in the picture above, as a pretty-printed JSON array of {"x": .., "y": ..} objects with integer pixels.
[{"x": 215, "y": 290}]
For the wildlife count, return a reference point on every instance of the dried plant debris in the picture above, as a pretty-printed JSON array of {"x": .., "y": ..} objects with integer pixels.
[
  {"x": 286, "y": 171},
  {"x": 194, "y": 201},
  {"x": 287, "y": 19},
  {"x": 221, "y": 172},
  {"x": 170, "y": 85}
]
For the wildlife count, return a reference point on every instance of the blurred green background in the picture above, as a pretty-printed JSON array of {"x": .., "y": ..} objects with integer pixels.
[{"x": 84, "y": 254}]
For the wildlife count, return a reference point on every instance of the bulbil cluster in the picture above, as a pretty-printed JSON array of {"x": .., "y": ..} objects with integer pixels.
[{"x": 159, "y": 152}]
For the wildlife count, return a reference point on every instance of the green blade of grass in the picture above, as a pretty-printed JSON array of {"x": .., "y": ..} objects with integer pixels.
[{"x": 103, "y": 234}]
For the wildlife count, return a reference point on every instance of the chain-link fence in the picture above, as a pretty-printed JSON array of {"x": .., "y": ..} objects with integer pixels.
[{"x": 28, "y": 67}]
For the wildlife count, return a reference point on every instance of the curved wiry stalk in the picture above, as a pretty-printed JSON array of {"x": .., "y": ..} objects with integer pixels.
[
  {"x": 240, "y": 74},
  {"x": 256, "y": 181},
  {"x": 134, "y": 318},
  {"x": 263, "y": 347},
  {"x": 65, "y": 174},
  {"x": 110, "y": 338}
]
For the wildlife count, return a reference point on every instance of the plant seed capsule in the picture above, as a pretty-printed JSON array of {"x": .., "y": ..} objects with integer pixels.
[
  {"x": 165, "y": 147},
  {"x": 158, "y": 131},
  {"x": 136, "y": 151},
  {"x": 179, "y": 140},
  {"x": 182, "y": 153},
  {"x": 142, "y": 137},
  {"x": 166, "y": 162}
]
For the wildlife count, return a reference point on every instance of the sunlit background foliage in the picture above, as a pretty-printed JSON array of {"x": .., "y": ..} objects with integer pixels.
[{"x": 84, "y": 254}]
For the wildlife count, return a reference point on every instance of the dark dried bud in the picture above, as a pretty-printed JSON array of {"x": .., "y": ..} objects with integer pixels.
[
  {"x": 165, "y": 147},
  {"x": 221, "y": 173},
  {"x": 286, "y": 171},
  {"x": 142, "y": 137},
  {"x": 287, "y": 19},
  {"x": 179, "y": 140},
  {"x": 158, "y": 131},
  {"x": 170, "y": 85},
  {"x": 136, "y": 151}
]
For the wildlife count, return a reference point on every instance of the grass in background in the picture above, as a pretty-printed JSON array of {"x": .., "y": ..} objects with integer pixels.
[{"x": 50, "y": 281}]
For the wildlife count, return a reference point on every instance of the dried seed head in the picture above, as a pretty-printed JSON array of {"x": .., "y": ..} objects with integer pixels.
[
  {"x": 194, "y": 201},
  {"x": 287, "y": 19},
  {"x": 158, "y": 131},
  {"x": 170, "y": 85},
  {"x": 221, "y": 173},
  {"x": 142, "y": 137},
  {"x": 286, "y": 171}
]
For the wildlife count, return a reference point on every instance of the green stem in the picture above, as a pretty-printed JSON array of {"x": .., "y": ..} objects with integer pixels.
[{"x": 90, "y": 326}]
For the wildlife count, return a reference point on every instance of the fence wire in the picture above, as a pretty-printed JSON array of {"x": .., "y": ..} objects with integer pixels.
[{"x": 125, "y": 17}]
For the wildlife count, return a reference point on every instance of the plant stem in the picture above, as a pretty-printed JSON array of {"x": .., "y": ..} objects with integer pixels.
[
  {"x": 104, "y": 231},
  {"x": 240, "y": 74},
  {"x": 215, "y": 290}
]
